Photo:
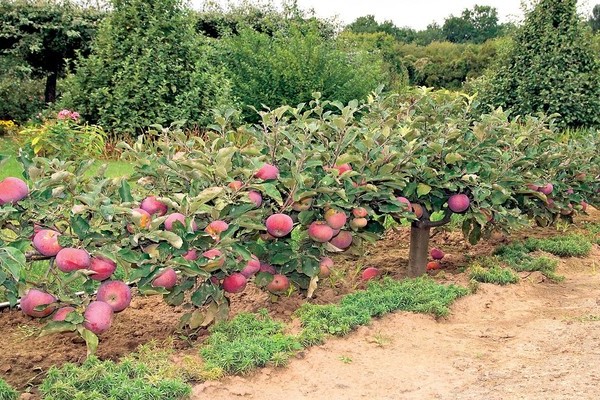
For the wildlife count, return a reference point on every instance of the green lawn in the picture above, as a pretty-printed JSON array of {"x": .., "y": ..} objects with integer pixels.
[{"x": 9, "y": 148}]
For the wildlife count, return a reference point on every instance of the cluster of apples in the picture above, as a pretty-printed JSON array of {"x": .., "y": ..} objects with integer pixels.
[{"x": 437, "y": 255}]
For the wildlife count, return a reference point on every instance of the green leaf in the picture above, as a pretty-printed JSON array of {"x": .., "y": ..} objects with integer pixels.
[
  {"x": 125, "y": 191},
  {"x": 91, "y": 340},
  {"x": 171, "y": 237},
  {"x": 13, "y": 260},
  {"x": 423, "y": 189},
  {"x": 453, "y": 158},
  {"x": 271, "y": 190}
]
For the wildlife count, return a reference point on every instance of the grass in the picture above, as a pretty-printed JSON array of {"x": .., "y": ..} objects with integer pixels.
[
  {"x": 594, "y": 229},
  {"x": 246, "y": 342},
  {"x": 421, "y": 295},
  {"x": 517, "y": 257},
  {"x": 562, "y": 246},
  {"x": 495, "y": 274},
  {"x": 7, "y": 392},
  {"x": 94, "y": 379}
]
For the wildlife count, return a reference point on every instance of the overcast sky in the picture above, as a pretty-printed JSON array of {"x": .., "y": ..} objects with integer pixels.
[{"x": 413, "y": 13}]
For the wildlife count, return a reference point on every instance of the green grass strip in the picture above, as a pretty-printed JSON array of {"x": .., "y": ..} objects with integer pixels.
[
  {"x": 517, "y": 257},
  {"x": 562, "y": 246},
  {"x": 7, "y": 392},
  {"x": 495, "y": 274},
  {"x": 95, "y": 379}
]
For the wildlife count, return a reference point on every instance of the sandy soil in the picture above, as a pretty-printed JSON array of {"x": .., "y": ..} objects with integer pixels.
[{"x": 533, "y": 340}]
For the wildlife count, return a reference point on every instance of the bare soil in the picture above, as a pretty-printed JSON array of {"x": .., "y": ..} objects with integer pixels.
[{"x": 532, "y": 340}]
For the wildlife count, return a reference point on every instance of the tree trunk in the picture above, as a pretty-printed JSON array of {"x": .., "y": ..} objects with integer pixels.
[
  {"x": 419, "y": 248},
  {"x": 50, "y": 93}
]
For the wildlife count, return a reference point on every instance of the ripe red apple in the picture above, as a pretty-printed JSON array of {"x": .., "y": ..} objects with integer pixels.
[
  {"x": 103, "y": 268},
  {"x": 279, "y": 284},
  {"x": 584, "y": 206},
  {"x": 215, "y": 228},
  {"x": 166, "y": 279},
  {"x": 98, "y": 317},
  {"x": 115, "y": 293},
  {"x": 234, "y": 283},
  {"x": 255, "y": 197},
  {"x": 459, "y": 203},
  {"x": 418, "y": 210},
  {"x": 360, "y": 212},
  {"x": 191, "y": 255},
  {"x": 357, "y": 223},
  {"x": 12, "y": 190},
  {"x": 570, "y": 191},
  {"x": 178, "y": 217},
  {"x": 546, "y": 189},
  {"x": 46, "y": 242},
  {"x": 342, "y": 241},
  {"x": 267, "y": 172},
  {"x": 153, "y": 206},
  {"x": 533, "y": 187},
  {"x": 370, "y": 273},
  {"x": 252, "y": 267},
  {"x": 325, "y": 266},
  {"x": 436, "y": 254},
  {"x": 70, "y": 259},
  {"x": 343, "y": 168},
  {"x": 279, "y": 225},
  {"x": 405, "y": 201},
  {"x": 235, "y": 185},
  {"x": 303, "y": 204},
  {"x": 320, "y": 232},
  {"x": 62, "y": 313},
  {"x": 335, "y": 219},
  {"x": 433, "y": 265},
  {"x": 35, "y": 298}
]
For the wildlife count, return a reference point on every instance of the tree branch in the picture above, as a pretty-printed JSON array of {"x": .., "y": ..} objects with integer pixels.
[{"x": 35, "y": 256}]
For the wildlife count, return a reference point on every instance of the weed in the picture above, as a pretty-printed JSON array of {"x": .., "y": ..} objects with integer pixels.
[
  {"x": 7, "y": 392},
  {"x": 95, "y": 379},
  {"x": 345, "y": 359},
  {"x": 495, "y": 274},
  {"x": 380, "y": 339},
  {"x": 517, "y": 257},
  {"x": 246, "y": 342},
  {"x": 562, "y": 246}
]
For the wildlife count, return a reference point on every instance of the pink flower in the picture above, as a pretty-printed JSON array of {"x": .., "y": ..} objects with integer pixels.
[
  {"x": 74, "y": 115},
  {"x": 64, "y": 114}
]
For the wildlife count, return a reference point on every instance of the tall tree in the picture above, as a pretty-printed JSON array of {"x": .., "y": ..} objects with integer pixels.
[
  {"x": 474, "y": 25},
  {"x": 551, "y": 68},
  {"x": 46, "y": 34},
  {"x": 594, "y": 19}
]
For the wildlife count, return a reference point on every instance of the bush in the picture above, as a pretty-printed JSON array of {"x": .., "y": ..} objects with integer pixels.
[
  {"x": 148, "y": 66},
  {"x": 552, "y": 68},
  {"x": 288, "y": 67},
  {"x": 22, "y": 95}
]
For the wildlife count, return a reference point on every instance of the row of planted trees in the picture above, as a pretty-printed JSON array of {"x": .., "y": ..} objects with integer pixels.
[{"x": 265, "y": 203}]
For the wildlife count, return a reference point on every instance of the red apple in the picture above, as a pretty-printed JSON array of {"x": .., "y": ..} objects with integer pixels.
[
  {"x": 458, "y": 203},
  {"x": 370, "y": 273},
  {"x": 342, "y": 241},
  {"x": 335, "y": 219},
  {"x": 433, "y": 265},
  {"x": 360, "y": 212},
  {"x": 303, "y": 204},
  {"x": 279, "y": 284},
  {"x": 436, "y": 254},
  {"x": 252, "y": 267},
  {"x": 70, "y": 259},
  {"x": 141, "y": 218},
  {"x": 418, "y": 210},
  {"x": 35, "y": 298},
  {"x": 343, "y": 168},
  {"x": 255, "y": 198},
  {"x": 166, "y": 279},
  {"x": 320, "y": 232},
  {"x": 115, "y": 293},
  {"x": 191, "y": 255},
  {"x": 103, "y": 268},
  {"x": 12, "y": 190},
  {"x": 405, "y": 201},
  {"x": 357, "y": 223},
  {"x": 178, "y": 217},
  {"x": 235, "y": 185},
  {"x": 279, "y": 225},
  {"x": 62, "y": 313},
  {"x": 546, "y": 189},
  {"x": 98, "y": 317},
  {"x": 267, "y": 172},
  {"x": 215, "y": 228},
  {"x": 325, "y": 266},
  {"x": 46, "y": 242},
  {"x": 234, "y": 283},
  {"x": 153, "y": 206}
]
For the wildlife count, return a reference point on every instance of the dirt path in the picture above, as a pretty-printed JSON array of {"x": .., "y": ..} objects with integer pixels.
[{"x": 533, "y": 340}]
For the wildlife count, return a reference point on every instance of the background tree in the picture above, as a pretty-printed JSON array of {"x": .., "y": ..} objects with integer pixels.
[
  {"x": 46, "y": 34},
  {"x": 474, "y": 25},
  {"x": 551, "y": 68},
  {"x": 148, "y": 66},
  {"x": 594, "y": 19}
]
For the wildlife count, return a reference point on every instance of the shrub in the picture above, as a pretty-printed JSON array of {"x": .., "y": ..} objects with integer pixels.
[
  {"x": 288, "y": 67},
  {"x": 22, "y": 95},
  {"x": 148, "y": 66},
  {"x": 550, "y": 69}
]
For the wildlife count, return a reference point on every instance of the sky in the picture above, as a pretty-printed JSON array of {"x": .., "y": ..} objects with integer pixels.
[{"x": 416, "y": 14}]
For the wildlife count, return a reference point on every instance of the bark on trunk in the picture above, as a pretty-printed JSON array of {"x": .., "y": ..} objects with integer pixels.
[
  {"x": 419, "y": 249},
  {"x": 50, "y": 92}
]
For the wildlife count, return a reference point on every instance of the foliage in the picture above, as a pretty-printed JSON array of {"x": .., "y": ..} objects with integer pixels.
[
  {"x": 550, "y": 69},
  {"x": 446, "y": 65},
  {"x": 7, "y": 127},
  {"x": 7, "y": 392},
  {"x": 66, "y": 138},
  {"x": 594, "y": 19},
  {"x": 147, "y": 66},
  {"x": 422, "y": 145},
  {"x": 22, "y": 94},
  {"x": 247, "y": 342},
  {"x": 289, "y": 66},
  {"x": 474, "y": 25},
  {"x": 421, "y": 295},
  {"x": 562, "y": 246},
  {"x": 45, "y": 34},
  {"x": 127, "y": 379},
  {"x": 492, "y": 274}
]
